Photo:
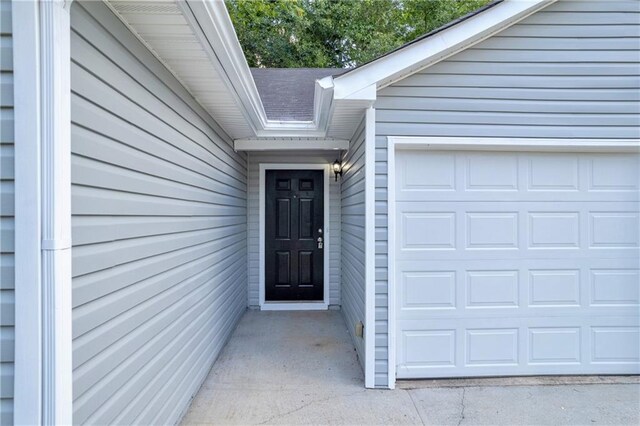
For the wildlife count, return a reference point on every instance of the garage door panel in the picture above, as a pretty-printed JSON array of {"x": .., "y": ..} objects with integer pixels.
[
  {"x": 557, "y": 287},
  {"x": 479, "y": 253},
  {"x": 539, "y": 229},
  {"x": 471, "y": 314},
  {"x": 516, "y": 263},
  {"x": 519, "y": 196},
  {"x": 613, "y": 229},
  {"x": 446, "y": 348},
  {"x": 484, "y": 176},
  {"x": 614, "y": 287},
  {"x": 619, "y": 173}
]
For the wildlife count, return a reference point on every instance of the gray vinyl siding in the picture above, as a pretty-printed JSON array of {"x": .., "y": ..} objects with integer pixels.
[
  {"x": 569, "y": 71},
  {"x": 6, "y": 216},
  {"x": 353, "y": 238},
  {"x": 253, "y": 203},
  {"x": 159, "y": 230}
]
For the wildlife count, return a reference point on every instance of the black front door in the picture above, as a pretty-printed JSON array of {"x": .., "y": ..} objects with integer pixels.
[{"x": 294, "y": 235}]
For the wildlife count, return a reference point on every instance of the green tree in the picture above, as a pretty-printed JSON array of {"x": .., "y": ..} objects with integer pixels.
[
  {"x": 335, "y": 33},
  {"x": 423, "y": 16}
]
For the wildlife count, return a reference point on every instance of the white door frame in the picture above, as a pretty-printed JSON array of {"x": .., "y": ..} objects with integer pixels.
[
  {"x": 395, "y": 143},
  {"x": 294, "y": 306}
]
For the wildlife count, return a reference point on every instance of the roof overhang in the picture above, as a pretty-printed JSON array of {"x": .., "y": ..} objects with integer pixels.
[
  {"x": 211, "y": 20},
  {"x": 197, "y": 42},
  {"x": 364, "y": 81}
]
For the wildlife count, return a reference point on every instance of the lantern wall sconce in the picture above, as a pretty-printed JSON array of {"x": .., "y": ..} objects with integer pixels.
[{"x": 337, "y": 168}]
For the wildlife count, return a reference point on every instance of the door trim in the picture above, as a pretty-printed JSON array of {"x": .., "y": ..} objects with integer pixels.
[
  {"x": 293, "y": 306},
  {"x": 514, "y": 144}
]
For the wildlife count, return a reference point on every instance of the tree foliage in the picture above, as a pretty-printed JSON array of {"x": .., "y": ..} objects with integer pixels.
[{"x": 335, "y": 33}]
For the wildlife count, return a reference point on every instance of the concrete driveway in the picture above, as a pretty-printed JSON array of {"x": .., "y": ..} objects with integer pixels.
[{"x": 301, "y": 368}]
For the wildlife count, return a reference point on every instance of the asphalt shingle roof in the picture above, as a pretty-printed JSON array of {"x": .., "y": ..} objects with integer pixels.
[{"x": 287, "y": 93}]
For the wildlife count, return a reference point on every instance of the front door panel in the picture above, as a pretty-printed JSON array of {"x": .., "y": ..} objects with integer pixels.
[{"x": 294, "y": 261}]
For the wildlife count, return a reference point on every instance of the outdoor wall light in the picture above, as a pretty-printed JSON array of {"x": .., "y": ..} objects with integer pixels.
[{"x": 337, "y": 168}]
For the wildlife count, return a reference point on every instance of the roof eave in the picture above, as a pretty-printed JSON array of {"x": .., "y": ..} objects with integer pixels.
[
  {"x": 215, "y": 28},
  {"x": 424, "y": 53},
  {"x": 212, "y": 23}
]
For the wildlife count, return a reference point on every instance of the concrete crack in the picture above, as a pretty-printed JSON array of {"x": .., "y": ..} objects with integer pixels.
[
  {"x": 462, "y": 407},
  {"x": 302, "y": 407},
  {"x": 416, "y": 407}
]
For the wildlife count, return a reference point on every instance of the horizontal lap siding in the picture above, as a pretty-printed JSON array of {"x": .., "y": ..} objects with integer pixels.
[
  {"x": 254, "y": 161},
  {"x": 159, "y": 230},
  {"x": 353, "y": 237},
  {"x": 6, "y": 216},
  {"x": 569, "y": 71}
]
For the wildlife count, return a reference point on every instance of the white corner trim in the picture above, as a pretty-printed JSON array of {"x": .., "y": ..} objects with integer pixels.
[
  {"x": 43, "y": 380},
  {"x": 296, "y": 306},
  {"x": 55, "y": 44},
  {"x": 370, "y": 248},
  {"x": 426, "y": 52},
  {"x": 516, "y": 144},
  {"x": 28, "y": 307},
  {"x": 290, "y": 144},
  {"x": 391, "y": 256}
]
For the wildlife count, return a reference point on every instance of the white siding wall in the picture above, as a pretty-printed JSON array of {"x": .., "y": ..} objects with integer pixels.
[
  {"x": 353, "y": 237},
  {"x": 569, "y": 71},
  {"x": 6, "y": 216},
  {"x": 253, "y": 205},
  {"x": 159, "y": 230}
]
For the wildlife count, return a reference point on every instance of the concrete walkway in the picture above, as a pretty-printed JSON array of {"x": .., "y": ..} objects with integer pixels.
[{"x": 301, "y": 368}]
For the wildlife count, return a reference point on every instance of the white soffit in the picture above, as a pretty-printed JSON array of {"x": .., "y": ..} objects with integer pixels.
[
  {"x": 197, "y": 42},
  {"x": 162, "y": 27}
]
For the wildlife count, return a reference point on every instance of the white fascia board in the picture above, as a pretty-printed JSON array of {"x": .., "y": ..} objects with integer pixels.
[
  {"x": 290, "y": 130},
  {"x": 290, "y": 144},
  {"x": 433, "y": 49}
]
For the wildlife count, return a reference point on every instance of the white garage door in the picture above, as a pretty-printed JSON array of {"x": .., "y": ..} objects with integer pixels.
[{"x": 516, "y": 263}]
